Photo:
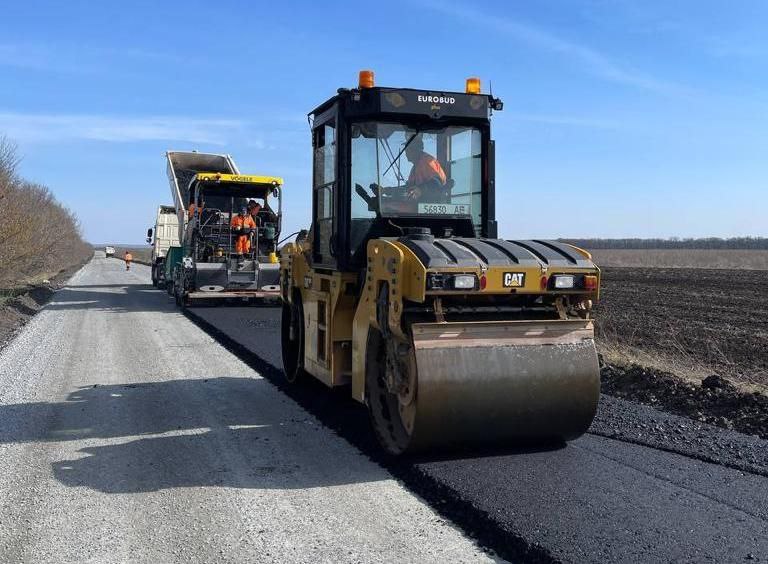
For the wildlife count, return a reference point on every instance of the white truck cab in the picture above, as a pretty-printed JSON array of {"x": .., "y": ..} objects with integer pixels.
[{"x": 164, "y": 235}]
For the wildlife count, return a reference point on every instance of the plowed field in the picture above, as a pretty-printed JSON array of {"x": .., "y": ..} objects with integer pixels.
[{"x": 699, "y": 319}]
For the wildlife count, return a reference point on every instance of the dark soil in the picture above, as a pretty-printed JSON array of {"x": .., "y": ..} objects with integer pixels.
[
  {"x": 713, "y": 318},
  {"x": 28, "y": 300},
  {"x": 715, "y": 401}
]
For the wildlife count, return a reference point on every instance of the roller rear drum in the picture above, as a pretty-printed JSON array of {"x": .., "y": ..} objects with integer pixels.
[{"x": 483, "y": 382}]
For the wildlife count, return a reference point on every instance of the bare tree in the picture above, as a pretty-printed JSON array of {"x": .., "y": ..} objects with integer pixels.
[
  {"x": 38, "y": 236},
  {"x": 9, "y": 160}
]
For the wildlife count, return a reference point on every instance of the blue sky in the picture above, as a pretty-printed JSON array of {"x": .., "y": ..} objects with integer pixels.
[{"x": 622, "y": 118}]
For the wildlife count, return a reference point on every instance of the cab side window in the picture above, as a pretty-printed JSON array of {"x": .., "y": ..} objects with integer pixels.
[{"x": 324, "y": 184}]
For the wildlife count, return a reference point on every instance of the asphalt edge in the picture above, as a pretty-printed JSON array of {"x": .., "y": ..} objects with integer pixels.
[{"x": 474, "y": 523}]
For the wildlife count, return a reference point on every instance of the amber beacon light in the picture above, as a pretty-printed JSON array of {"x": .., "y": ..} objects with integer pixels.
[
  {"x": 473, "y": 85},
  {"x": 366, "y": 79}
]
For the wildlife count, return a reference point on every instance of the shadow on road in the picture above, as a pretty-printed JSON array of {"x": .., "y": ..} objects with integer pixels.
[
  {"x": 112, "y": 298},
  {"x": 127, "y": 410},
  {"x": 230, "y": 432}
]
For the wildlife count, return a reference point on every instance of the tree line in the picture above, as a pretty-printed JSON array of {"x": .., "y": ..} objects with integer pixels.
[
  {"x": 715, "y": 243},
  {"x": 38, "y": 235}
]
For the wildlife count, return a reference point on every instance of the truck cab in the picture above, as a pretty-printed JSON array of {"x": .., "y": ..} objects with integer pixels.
[{"x": 162, "y": 237}]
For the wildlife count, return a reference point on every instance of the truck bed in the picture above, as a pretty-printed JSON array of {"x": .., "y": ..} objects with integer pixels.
[{"x": 182, "y": 166}]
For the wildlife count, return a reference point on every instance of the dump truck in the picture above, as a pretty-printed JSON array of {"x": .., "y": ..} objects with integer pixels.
[
  {"x": 163, "y": 236},
  {"x": 222, "y": 257},
  {"x": 402, "y": 290}
]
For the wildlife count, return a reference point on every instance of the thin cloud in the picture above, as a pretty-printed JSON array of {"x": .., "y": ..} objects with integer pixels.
[
  {"x": 75, "y": 59},
  {"x": 591, "y": 60},
  {"x": 45, "y": 128},
  {"x": 33, "y": 57}
]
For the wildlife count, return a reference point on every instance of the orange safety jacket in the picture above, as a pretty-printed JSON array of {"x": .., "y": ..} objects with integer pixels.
[
  {"x": 425, "y": 170},
  {"x": 245, "y": 221},
  {"x": 191, "y": 209},
  {"x": 243, "y": 242}
]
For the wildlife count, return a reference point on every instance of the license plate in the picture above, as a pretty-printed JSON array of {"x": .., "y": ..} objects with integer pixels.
[{"x": 444, "y": 209}]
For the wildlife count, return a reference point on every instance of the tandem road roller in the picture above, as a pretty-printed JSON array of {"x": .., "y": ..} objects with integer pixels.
[{"x": 402, "y": 289}]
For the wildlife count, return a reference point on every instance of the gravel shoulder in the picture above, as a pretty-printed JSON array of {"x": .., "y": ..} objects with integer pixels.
[
  {"x": 128, "y": 434},
  {"x": 18, "y": 305}
]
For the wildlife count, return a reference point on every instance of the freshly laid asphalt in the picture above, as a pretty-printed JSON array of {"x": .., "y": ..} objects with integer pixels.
[{"x": 642, "y": 485}]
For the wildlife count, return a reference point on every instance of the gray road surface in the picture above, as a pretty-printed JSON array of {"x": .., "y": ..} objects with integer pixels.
[{"x": 129, "y": 434}]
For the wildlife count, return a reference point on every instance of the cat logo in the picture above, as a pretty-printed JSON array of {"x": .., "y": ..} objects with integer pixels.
[{"x": 514, "y": 279}]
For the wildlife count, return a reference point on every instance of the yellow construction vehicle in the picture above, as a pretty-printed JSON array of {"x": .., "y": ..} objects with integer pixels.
[{"x": 402, "y": 289}]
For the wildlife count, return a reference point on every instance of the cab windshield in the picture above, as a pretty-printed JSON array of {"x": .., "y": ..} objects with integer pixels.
[
  {"x": 398, "y": 170},
  {"x": 230, "y": 199}
]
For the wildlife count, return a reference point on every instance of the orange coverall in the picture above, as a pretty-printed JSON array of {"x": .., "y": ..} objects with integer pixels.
[
  {"x": 425, "y": 169},
  {"x": 191, "y": 209},
  {"x": 243, "y": 242}
]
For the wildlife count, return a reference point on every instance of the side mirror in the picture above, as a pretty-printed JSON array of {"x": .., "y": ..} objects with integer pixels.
[
  {"x": 149, "y": 240},
  {"x": 149, "y": 233}
]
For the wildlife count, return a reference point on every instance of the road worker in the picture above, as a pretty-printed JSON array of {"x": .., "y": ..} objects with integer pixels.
[
  {"x": 128, "y": 257},
  {"x": 254, "y": 208},
  {"x": 242, "y": 224},
  {"x": 427, "y": 178},
  {"x": 427, "y": 182},
  {"x": 193, "y": 206}
]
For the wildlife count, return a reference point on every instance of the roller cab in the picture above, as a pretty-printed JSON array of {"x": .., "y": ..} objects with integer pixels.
[{"x": 402, "y": 291}]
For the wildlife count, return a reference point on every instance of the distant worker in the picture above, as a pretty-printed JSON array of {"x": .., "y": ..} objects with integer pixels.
[
  {"x": 128, "y": 257},
  {"x": 254, "y": 208},
  {"x": 242, "y": 223},
  {"x": 427, "y": 177},
  {"x": 193, "y": 206}
]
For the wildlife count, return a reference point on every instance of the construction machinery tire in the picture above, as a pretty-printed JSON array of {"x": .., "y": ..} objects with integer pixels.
[{"x": 292, "y": 336}]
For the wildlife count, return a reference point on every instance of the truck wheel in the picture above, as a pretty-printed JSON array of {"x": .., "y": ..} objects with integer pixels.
[
  {"x": 181, "y": 293},
  {"x": 178, "y": 292},
  {"x": 154, "y": 276},
  {"x": 292, "y": 334},
  {"x": 181, "y": 298}
]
